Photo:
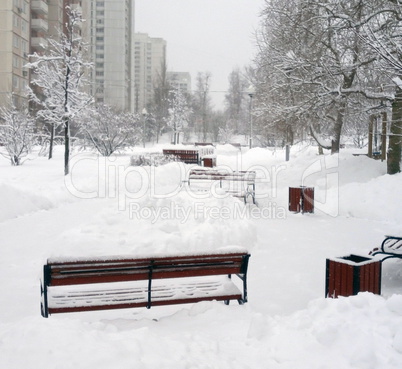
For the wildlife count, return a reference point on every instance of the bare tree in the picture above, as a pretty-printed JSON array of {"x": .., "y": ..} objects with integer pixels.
[
  {"x": 16, "y": 133},
  {"x": 317, "y": 67},
  {"x": 60, "y": 80},
  {"x": 179, "y": 113},
  {"x": 109, "y": 130},
  {"x": 384, "y": 37},
  {"x": 160, "y": 104},
  {"x": 236, "y": 100},
  {"x": 202, "y": 102}
]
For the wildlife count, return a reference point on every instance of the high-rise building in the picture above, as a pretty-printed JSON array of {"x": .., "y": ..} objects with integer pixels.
[
  {"x": 25, "y": 26},
  {"x": 180, "y": 81},
  {"x": 14, "y": 49},
  {"x": 149, "y": 59},
  {"x": 109, "y": 30}
]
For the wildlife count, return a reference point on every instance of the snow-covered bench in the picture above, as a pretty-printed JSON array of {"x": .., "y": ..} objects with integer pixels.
[
  {"x": 78, "y": 284},
  {"x": 391, "y": 247},
  {"x": 237, "y": 183}
]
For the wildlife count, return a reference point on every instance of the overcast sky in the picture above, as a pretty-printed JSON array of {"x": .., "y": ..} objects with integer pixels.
[{"x": 203, "y": 35}]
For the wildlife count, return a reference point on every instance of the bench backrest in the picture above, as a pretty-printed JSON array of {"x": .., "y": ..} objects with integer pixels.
[
  {"x": 188, "y": 156},
  {"x": 246, "y": 176},
  {"x": 84, "y": 271}
]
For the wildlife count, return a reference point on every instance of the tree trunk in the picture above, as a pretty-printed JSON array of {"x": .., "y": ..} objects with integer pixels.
[
  {"x": 395, "y": 138},
  {"x": 52, "y": 131},
  {"x": 66, "y": 147},
  {"x": 336, "y": 143}
]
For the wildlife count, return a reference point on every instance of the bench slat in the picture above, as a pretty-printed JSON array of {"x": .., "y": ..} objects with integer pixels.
[
  {"x": 246, "y": 178},
  {"x": 67, "y": 300}
]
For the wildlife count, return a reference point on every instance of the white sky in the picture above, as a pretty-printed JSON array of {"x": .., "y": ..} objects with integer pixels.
[{"x": 203, "y": 35}]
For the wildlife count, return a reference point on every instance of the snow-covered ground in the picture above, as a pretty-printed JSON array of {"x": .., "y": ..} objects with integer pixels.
[{"x": 106, "y": 207}]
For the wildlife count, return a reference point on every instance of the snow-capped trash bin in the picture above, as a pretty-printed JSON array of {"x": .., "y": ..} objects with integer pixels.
[
  {"x": 301, "y": 199},
  {"x": 209, "y": 161},
  {"x": 349, "y": 275}
]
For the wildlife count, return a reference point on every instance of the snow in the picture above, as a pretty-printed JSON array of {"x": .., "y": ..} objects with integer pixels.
[{"x": 108, "y": 208}]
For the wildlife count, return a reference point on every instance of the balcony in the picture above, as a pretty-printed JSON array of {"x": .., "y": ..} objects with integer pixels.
[
  {"x": 39, "y": 7},
  {"x": 39, "y": 43},
  {"x": 39, "y": 25}
]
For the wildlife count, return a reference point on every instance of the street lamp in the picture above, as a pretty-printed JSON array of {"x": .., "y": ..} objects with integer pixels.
[
  {"x": 144, "y": 116},
  {"x": 251, "y": 92}
]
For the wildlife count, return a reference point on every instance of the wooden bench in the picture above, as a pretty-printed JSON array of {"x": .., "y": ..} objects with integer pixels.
[
  {"x": 244, "y": 180},
  {"x": 391, "y": 247},
  {"x": 186, "y": 156},
  {"x": 78, "y": 284},
  {"x": 190, "y": 156}
]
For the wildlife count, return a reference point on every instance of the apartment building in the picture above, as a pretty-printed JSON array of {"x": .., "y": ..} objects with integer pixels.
[
  {"x": 109, "y": 29},
  {"x": 180, "y": 81},
  {"x": 14, "y": 49},
  {"x": 149, "y": 58},
  {"x": 25, "y": 26},
  {"x": 126, "y": 65}
]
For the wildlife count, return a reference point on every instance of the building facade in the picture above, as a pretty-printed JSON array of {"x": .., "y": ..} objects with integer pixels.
[
  {"x": 180, "y": 81},
  {"x": 14, "y": 50},
  {"x": 25, "y": 26},
  {"x": 126, "y": 64},
  {"x": 149, "y": 59},
  {"x": 109, "y": 30}
]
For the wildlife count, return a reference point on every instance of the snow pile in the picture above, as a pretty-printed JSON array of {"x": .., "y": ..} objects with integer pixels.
[
  {"x": 107, "y": 207},
  {"x": 16, "y": 202}
]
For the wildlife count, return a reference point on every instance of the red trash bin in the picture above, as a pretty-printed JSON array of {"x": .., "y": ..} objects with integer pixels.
[
  {"x": 349, "y": 275},
  {"x": 301, "y": 199}
]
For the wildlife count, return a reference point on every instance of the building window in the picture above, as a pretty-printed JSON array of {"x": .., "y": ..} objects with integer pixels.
[
  {"x": 24, "y": 46},
  {"x": 15, "y": 82},
  {"x": 16, "y": 41},
  {"x": 24, "y": 27},
  {"x": 16, "y": 61}
]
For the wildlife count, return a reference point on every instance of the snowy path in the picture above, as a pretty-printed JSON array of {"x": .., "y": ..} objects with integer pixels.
[{"x": 286, "y": 324}]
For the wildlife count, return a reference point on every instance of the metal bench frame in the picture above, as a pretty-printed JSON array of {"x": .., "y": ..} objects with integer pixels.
[{"x": 391, "y": 247}]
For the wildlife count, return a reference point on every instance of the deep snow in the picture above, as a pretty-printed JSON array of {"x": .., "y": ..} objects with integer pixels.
[{"x": 107, "y": 207}]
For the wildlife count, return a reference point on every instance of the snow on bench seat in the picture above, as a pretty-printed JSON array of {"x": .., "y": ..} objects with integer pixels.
[
  {"x": 236, "y": 183},
  {"x": 78, "y": 284},
  {"x": 135, "y": 294}
]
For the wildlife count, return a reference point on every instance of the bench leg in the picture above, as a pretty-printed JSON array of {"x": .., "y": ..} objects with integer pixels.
[{"x": 227, "y": 302}]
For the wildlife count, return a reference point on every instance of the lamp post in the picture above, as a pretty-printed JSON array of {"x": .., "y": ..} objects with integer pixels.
[
  {"x": 251, "y": 92},
  {"x": 144, "y": 117}
]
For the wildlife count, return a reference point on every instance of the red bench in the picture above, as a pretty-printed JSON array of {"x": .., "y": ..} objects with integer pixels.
[
  {"x": 186, "y": 156},
  {"x": 75, "y": 285}
]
